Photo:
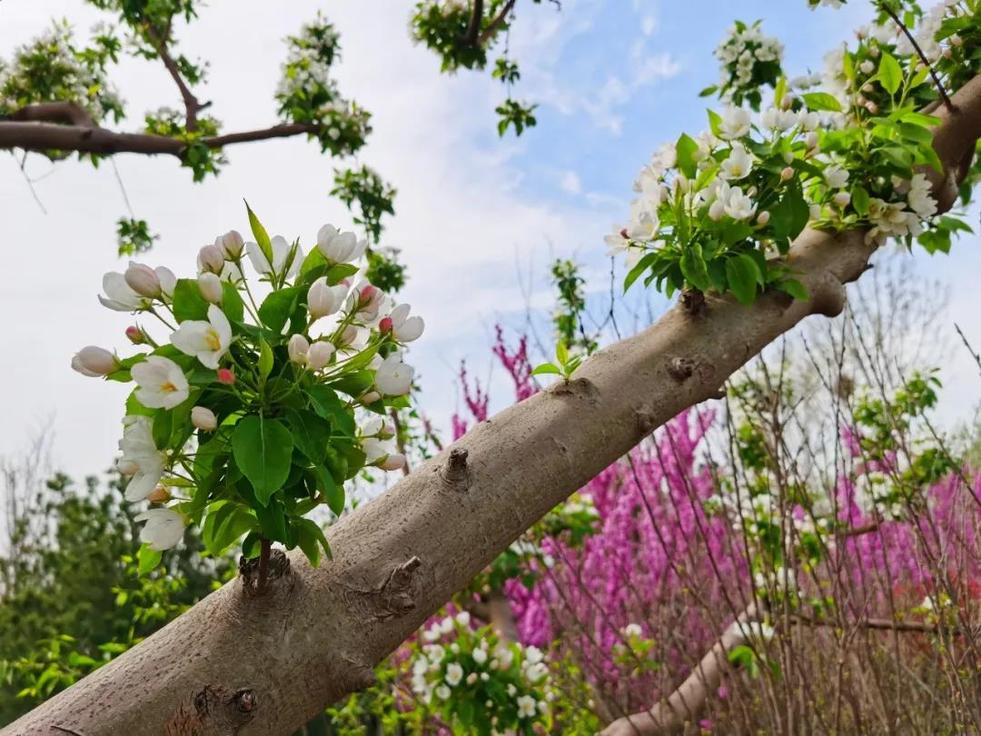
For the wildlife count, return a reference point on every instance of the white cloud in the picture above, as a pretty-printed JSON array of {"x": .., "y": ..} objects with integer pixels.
[
  {"x": 461, "y": 222},
  {"x": 570, "y": 182}
]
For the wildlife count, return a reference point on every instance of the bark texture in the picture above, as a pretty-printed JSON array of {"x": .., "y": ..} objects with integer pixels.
[{"x": 266, "y": 665}]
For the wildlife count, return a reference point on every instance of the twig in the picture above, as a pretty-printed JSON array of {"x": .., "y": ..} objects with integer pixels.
[
  {"x": 191, "y": 103},
  {"x": 495, "y": 23},
  {"x": 263, "y": 573},
  {"x": 122, "y": 188},
  {"x": 936, "y": 80},
  {"x": 977, "y": 358}
]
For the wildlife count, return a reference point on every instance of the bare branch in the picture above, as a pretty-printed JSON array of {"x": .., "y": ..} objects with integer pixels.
[
  {"x": 191, "y": 104},
  {"x": 496, "y": 23},
  {"x": 68, "y": 113}
]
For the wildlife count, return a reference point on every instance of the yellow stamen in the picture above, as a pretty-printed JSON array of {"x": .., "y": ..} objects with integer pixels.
[{"x": 211, "y": 337}]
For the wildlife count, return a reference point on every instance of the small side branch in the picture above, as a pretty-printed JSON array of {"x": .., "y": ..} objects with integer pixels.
[
  {"x": 191, "y": 104},
  {"x": 496, "y": 23},
  {"x": 933, "y": 74}
]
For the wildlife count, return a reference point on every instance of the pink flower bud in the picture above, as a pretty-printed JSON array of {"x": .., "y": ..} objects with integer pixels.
[
  {"x": 226, "y": 376},
  {"x": 210, "y": 287},
  {"x": 210, "y": 258},
  {"x": 367, "y": 293},
  {"x": 323, "y": 299},
  {"x": 371, "y": 397},
  {"x": 143, "y": 280},
  {"x": 204, "y": 419},
  {"x": 842, "y": 199},
  {"x": 319, "y": 355},
  {"x": 393, "y": 462},
  {"x": 160, "y": 494},
  {"x": 385, "y": 325},
  {"x": 93, "y": 361},
  {"x": 135, "y": 335},
  {"x": 763, "y": 217},
  {"x": 230, "y": 244},
  {"x": 787, "y": 174}
]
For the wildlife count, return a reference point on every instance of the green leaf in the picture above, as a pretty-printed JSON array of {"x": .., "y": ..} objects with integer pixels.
[
  {"x": 821, "y": 101},
  {"x": 309, "y": 535},
  {"x": 310, "y": 433},
  {"x": 708, "y": 91},
  {"x": 694, "y": 269},
  {"x": 272, "y": 521},
  {"x": 260, "y": 235},
  {"x": 686, "y": 149},
  {"x": 276, "y": 309},
  {"x": 332, "y": 490},
  {"x": 355, "y": 384},
  {"x": 562, "y": 352},
  {"x": 231, "y": 302},
  {"x": 546, "y": 368},
  {"x": 188, "y": 302},
  {"x": 638, "y": 269},
  {"x": 265, "y": 360},
  {"x": 148, "y": 559},
  {"x": 163, "y": 425},
  {"x": 262, "y": 449},
  {"x": 715, "y": 123},
  {"x": 743, "y": 276},
  {"x": 340, "y": 271},
  {"x": 793, "y": 287},
  {"x": 326, "y": 403},
  {"x": 953, "y": 225},
  {"x": 860, "y": 200},
  {"x": 225, "y": 522},
  {"x": 890, "y": 74},
  {"x": 790, "y": 215}
]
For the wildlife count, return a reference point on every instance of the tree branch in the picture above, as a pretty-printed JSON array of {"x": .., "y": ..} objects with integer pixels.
[
  {"x": 493, "y": 26},
  {"x": 45, "y": 136},
  {"x": 191, "y": 104},
  {"x": 473, "y": 27},
  {"x": 400, "y": 557},
  {"x": 68, "y": 113}
]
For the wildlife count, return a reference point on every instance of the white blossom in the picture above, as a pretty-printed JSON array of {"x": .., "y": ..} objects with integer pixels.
[
  {"x": 207, "y": 340},
  {"x": 454, "y": 674},
  {"x": 339, "y": 247},
  {"x": 163, "y": 529},
  {"x": 161, "y": 383},
  {"x": 393, "y": 377},
  {"x": 526, "y": 707},
  {"x": 403, "y": 327},
  {"x": 285, "y": 257},
  {"x": 735, "y": 123},
  {"x": 119, "y": 297},
  {"x": 738, "y": 164},
  {"x": 141, "y": 460}
]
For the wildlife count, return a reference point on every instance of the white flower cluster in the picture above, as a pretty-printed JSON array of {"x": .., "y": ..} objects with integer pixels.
[
  {"x": 62, "y": 73},
  {"x": 456, "y": 656},
  {"x": 307, "y": 67},
  {"x": 927, "y": 29},
  {"x": 343, "y": 320},
  {"x": 741, "y": 49},
  {"x": 898, "y": 219}
]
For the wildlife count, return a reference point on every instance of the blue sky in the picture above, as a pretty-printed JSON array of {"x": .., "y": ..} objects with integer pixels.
[{"x": 478, "y": 218}]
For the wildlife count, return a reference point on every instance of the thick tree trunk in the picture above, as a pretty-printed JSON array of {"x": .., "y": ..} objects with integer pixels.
[{"x": 266, "y": 665}]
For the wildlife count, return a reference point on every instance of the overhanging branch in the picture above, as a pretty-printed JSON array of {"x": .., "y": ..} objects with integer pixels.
[{"x": 49, "y": 136}]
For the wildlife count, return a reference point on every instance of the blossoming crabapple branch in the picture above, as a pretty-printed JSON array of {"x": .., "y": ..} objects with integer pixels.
[
  {"x": 919, "y": 51},
  {"x": 400, "y": 557}
]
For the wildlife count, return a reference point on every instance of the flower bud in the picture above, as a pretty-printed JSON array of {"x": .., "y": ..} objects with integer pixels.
[
  {"x": 143, "y": 280},
  {"x": 867, "y": 67},
  {"x": 385, "y": 325},
  {"x": 370, "y": 398},
  {"x": 135, "y": 335},
  {"x": 204, "y": 419},
  {"x": 319, "y": 355},
  {"x": 93, "y": 361},
  {"x": 393, "y": 462},
  {"x": 872, "y": 107},
  {"x": 763, "y": 218},
  {"x": 211, "y": 259},
  {"x": 815, "y": 212},
  {"x": 297, "y": 349},
  {"x": 956, "y": 40},
  {"x": 226, "y": 376},
  {"x": 874, "y": 52},
  {"x": 842, "y": 199},
  {"x": 160, "y": 494},
  {"x": 787, "y": 174},
  {"x": 811, "y": 139},
  {"x": 366, "y": 294},
  {"x": 230, "y": 244},
  {"x": 321, "y": 299},
  {"x": 210, "y": 286}
]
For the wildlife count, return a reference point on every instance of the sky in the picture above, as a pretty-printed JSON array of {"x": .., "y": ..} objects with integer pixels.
[{"x": 478, "y": 218}]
